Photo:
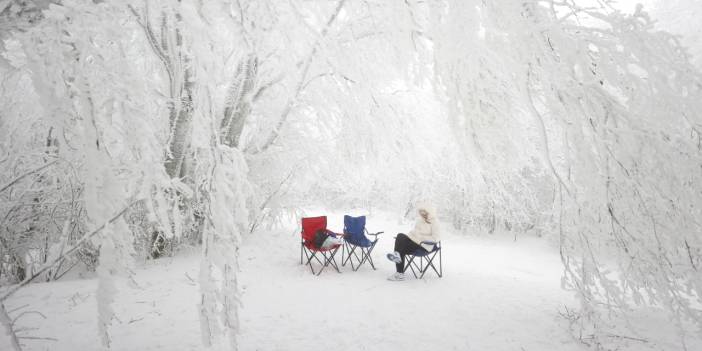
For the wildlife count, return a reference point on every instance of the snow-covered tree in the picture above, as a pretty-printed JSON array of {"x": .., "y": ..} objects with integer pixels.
[
  {"x": 598, "y": 113},
  {"x": 680, "y": 17},
  {"x": 206, "y": 120}
]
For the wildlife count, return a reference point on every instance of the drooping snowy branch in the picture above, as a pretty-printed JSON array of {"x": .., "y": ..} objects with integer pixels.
[
  {"x": 300, "y": 83},
  {"x": 617, "y": 116}
]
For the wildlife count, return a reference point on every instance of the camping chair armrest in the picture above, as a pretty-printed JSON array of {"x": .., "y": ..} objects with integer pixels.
[
  {"x": 374, "y": 234},
  {"x": 436, "y": 244},
  {"x": 335, "y": 234}
]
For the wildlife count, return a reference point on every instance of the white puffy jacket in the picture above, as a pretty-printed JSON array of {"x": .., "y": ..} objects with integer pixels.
[{"x": 425, "y": 230}]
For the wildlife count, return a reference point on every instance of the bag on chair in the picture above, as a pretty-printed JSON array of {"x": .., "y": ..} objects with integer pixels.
[{"x": 319, "y": 237}]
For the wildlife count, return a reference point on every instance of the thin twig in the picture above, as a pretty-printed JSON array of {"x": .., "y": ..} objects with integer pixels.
[
  {"x": 18, "y": 308},
  {"x": 689, "y": 254},
  {"x": 26, "y": 313},
  {"x": 66, "y": 271},
  {"x": 37, "y": 338},
  {"x": 134, "y": 320},
  {"x": 6, "y": 321},
  {"x": 192, "y": 281},
  {"x": 12, "y": 182}
]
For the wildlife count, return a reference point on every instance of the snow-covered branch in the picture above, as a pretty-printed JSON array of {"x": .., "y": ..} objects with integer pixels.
[
  {"x": 275, "y": 132},
  {"x": 25, "y": 174}
]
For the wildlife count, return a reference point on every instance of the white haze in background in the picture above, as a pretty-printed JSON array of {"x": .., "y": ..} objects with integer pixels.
[{"x": 680, "y": 17}]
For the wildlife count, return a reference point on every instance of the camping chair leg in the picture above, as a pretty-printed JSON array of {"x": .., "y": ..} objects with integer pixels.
[
  {"x": 370, "y": 258},
  {"x": 366, "y": 256},
  {"x": 410, "y": 264},
  {"x": 349, "y": 256},
  {"x": 363, "y": 259},
  {"x": 346, "y": 256},
  {"x": 359, "y": 260},
  {"x": 332, "y": 260},
  {"x": 422, "y": 267},
  {"x": 324, "y": 255},
  {"x": 343, "y": 254},
  {"x": 324, "y": 265},
  {"x": 329, "y": 261},
  {"x": 353, "y": 254},
  {"x": 426, "y": 268},
  {"x": 310, "y": 256},
  {"x": 430, "y": 264}
]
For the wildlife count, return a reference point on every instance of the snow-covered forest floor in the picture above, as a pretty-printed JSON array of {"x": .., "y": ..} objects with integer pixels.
[{"x": 496, "y": 294}]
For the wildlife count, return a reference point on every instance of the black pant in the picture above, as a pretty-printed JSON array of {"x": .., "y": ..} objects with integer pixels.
[{"x": 404, "y": 245}]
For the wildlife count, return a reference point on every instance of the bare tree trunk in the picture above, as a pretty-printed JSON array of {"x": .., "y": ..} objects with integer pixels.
[
  {"x": 169, "y": 49},
  {"x": 178, "y": 145},
  {"x": 238, "y": 104},
  {"x": 181, "y": 109}
]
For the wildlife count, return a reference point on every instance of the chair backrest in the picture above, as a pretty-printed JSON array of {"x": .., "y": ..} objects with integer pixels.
[
  {"x": 311, "y": 225},
  {"x": 354, "y": 226}
]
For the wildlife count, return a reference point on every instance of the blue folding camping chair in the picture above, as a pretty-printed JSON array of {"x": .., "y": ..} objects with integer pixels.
[
  {"x": 355, "y": 238},
  {"x": 426, "y": 260}
]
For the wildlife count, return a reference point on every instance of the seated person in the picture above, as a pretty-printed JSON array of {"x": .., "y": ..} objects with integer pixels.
[{"x": 426, "y": 228}]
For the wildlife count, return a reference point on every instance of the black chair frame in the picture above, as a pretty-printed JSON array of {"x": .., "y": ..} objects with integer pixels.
[
  {"x": 327, "y": 259},
  {"x": 365, "y": 252},
  {"x": 426, "y": 261}
]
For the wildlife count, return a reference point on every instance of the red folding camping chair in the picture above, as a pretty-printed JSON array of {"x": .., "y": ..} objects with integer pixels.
[{"x": 310, "y": 226}]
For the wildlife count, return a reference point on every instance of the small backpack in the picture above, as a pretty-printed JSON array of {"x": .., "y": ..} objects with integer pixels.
[{"x": 319, "y": 238}]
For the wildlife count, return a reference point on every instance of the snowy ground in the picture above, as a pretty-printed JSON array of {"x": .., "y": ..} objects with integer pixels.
[{"x": 496, "y": 294}]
